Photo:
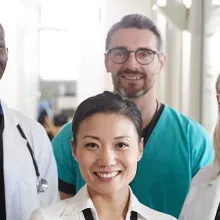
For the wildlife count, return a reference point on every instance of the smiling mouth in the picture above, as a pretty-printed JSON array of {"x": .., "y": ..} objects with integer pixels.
[
  {"x": 107, "y": 175},
  {"x": 132, "y": 77}
]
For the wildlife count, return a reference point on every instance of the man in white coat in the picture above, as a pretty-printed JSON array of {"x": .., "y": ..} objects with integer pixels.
[{"x": 28, "y": 172}]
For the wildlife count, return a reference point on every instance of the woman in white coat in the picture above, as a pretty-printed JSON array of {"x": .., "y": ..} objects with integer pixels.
[
  {"x": 203, "y": 200},
  {"x": 28, "y": 173},
  {"x": 107, "y": 145}
]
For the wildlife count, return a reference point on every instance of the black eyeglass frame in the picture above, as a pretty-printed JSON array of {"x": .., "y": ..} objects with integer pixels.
[{"x": 108, "y": 52}]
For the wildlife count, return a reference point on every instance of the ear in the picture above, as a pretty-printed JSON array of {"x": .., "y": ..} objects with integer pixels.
[
  {"x": 73, "y": 144},
  {"x": 106, "y": 62},
  {"x": 163, "y": 60},
  {"x": 141, "y": 148}
]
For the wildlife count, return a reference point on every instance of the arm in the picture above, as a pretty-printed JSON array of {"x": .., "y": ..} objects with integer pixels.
[
  {"x": 202, "y": 151},
  {"x": 65, "y": 161}
]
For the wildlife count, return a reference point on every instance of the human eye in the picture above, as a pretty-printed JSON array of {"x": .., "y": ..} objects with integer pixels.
[
  {"x": 122, "y": 145},
  {"x": 144, "y": 53},
  {"x": 91, "y": 145},
  {"x": 118, "y": 52}
]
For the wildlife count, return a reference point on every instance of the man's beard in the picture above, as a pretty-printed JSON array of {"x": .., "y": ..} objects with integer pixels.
[{"x": 132, "y": 93}]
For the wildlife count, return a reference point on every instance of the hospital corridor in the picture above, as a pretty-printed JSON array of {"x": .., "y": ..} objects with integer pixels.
[{"x": 110, "y": 109}]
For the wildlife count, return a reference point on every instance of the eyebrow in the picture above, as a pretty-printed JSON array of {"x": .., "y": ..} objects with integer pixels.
[
  {"x": 120, "y": 137},
  {"x": 91, "y": 136},
  {"x": 97, "y": 138},
  {"x": 139, "y": 48}
]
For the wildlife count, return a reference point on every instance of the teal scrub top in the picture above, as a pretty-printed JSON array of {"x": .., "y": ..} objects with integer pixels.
[{"x": 175, "y": 151}]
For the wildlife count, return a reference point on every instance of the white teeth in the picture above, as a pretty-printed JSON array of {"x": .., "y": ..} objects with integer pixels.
[
  {"x": 133, "y": 77},
  {"x": 107, "y": 175}
]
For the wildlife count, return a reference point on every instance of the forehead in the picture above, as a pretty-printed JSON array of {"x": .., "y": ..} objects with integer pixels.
[
  {"x": 2, "y": 33},
  {"x": 133, "y": 38},
  {"x": 107, "y": 125}
]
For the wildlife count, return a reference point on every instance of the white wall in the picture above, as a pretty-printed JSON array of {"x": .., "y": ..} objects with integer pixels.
[
  {"x": 19, "y": 87},
  {"x": 211, "y": 65},
  {"x": 8, "y": 84}
]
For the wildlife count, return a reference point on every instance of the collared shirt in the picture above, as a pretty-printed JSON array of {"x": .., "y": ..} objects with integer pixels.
[
  {"x": 72, "y": 209},
  {"x": 1, "y": 111}
]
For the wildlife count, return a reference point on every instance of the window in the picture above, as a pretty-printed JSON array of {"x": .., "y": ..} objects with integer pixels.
[{"x": 59, "y": 55}]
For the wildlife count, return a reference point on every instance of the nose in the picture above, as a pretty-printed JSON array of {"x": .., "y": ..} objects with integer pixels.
[
  {"x": 131, "y": 62},
  {"x": 106, "y": 157}
]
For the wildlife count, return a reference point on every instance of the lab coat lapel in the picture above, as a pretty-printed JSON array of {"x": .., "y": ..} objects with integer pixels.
[
  {"x": 14, "y": 153},
  {"x": 209, "y": 199}
]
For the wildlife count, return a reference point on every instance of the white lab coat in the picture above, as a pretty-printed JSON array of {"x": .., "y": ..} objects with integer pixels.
[
  {"x": 19, "y": 173},
  {"x": 204, "y": 196},
  {"x": 71, "y": 209}
]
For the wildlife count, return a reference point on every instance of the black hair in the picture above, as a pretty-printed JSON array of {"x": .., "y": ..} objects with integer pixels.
[
  {"x": 107, "y": 102},
  {"x": 60, "y": 119},
  {"x": 135, "y": 21}
]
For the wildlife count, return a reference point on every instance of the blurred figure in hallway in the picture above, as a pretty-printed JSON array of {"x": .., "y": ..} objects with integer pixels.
[{"x": 52, "y": 124}]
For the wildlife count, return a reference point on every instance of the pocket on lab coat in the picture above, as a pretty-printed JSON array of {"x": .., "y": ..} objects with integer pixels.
[{"x": 29, "y": 198}]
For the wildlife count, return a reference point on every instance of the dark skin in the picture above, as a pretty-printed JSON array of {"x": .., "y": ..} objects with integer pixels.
[{"x": 3, "y": 52}]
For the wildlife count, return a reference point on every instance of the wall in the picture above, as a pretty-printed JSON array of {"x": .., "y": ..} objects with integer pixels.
[
  {"x": 211, "y": 66},
  {"x": 19, "y": 85}
]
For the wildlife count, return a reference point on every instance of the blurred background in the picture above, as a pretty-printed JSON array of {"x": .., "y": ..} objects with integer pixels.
[{"x": 56, "y": 52}]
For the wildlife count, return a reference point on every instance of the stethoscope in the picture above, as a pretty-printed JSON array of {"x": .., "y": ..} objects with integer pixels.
[{"x": 42, "y": 184}]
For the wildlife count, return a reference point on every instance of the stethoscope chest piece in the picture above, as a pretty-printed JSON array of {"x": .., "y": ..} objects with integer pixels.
[{"x": 42, "y": 185}]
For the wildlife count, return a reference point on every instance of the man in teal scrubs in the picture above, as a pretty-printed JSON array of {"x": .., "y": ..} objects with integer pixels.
[{"x": 176, "y": 147}]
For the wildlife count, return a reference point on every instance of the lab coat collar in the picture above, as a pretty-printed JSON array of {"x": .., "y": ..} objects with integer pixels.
[
  {"x": 83, "y": 201},
  {"x": 9, "y": 116},
  {"x": 215, "y": 175}
]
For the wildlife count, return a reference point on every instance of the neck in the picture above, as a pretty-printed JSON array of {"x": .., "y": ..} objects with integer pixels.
[
  {"x": 114, "y": 204},
  {"x": 147, "y": 105}
]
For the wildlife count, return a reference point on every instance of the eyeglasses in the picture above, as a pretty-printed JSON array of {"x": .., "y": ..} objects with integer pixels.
[{"x": 121, "y": 55}]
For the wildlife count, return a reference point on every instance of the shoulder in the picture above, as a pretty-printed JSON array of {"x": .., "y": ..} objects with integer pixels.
[
  {"x": 64, "y": 134},
  {"x": 29, "y": 125},
  {"x": 145, "y": 212},
  {"x": 153, "y": 214},
  {"x": 184, "y": 122},
  {"x": 54, "y": 211}
]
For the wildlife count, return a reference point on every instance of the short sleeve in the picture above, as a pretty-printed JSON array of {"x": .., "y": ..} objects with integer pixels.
[
  {"x": 64, "y": 159},
  {"x": 202, "y": 148}
]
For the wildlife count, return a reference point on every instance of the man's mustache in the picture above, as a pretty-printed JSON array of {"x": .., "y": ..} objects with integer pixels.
[{"x": 130, "y": 71}]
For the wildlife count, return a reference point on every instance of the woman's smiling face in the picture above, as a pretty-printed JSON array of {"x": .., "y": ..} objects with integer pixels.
[{"x": 107, "y": 148}]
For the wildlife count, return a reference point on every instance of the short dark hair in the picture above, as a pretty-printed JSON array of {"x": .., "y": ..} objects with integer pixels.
[
  {"x": 135, "y": 21},
  {"x": 107, "y": 102}
]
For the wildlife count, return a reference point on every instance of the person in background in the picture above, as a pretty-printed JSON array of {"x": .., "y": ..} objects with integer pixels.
[
  {"x": 28, "y": 171},
  {"x": 203, "y": 199},
  {"x": 175, "y": 146},
  {"x": 107, "y": 144},
  {"x": 51, "y": 125}
]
